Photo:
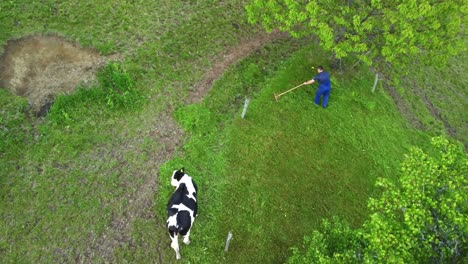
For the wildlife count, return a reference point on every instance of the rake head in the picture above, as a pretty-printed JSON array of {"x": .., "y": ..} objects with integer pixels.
[{"x": 276, "y": 97}]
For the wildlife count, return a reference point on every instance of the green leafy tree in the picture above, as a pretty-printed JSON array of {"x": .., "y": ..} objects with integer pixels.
[
  {"x": 375, "y": 31},
  {"x": 423, "y": 218}
]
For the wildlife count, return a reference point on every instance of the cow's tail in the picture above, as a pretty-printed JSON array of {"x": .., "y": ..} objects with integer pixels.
[{"x": 175, "y": 230}]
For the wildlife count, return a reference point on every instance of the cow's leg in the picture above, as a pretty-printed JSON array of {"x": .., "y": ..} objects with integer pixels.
[
  {"x": 174, "y": 243},
  {"x": 186, "y": 238}
]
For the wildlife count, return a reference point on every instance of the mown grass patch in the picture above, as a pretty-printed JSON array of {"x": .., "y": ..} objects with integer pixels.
[
  {"x": 272, "y": 177},
  {"x": 292, "y": 163}
]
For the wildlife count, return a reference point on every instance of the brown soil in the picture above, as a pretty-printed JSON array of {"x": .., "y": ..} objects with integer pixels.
[{"x": 41, "y": 67}]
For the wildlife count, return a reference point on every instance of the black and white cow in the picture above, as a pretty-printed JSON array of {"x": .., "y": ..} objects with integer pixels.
[{"x": 181, "y": 209}]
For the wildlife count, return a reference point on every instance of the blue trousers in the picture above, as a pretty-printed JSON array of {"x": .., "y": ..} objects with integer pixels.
[{"x": 325, "y": 91}]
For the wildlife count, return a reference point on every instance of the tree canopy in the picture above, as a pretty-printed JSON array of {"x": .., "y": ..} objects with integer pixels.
[
  {"x": 375, "y": 31},
  {"x": 423, "y": 218}
]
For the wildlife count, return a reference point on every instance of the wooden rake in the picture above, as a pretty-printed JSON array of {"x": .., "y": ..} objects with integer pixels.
[{"x": 277, "y": 96}]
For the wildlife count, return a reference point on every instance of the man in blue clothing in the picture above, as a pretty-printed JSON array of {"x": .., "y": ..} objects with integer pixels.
[{"x": 323, "y": 78}]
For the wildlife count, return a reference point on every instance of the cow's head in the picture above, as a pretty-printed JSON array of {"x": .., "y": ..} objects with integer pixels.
[{"x": 176, "y": 176}]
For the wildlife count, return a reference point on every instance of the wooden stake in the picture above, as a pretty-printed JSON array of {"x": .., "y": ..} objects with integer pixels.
[{"x": 228, "y": 240}]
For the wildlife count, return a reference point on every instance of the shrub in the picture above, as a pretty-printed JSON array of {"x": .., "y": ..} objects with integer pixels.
[
  {"x": 116, "y": 91},
  {"x": 421, "y": 219},
  {"x": 119, "y": 87}
]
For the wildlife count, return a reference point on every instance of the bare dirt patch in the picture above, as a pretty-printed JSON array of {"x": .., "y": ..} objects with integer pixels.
[{"x": 41, "y": 67}]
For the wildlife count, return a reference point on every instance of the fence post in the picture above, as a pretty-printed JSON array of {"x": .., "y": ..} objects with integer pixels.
[
  {"x": 246, "y": 103},
  {"x": 228, "y": 240}
]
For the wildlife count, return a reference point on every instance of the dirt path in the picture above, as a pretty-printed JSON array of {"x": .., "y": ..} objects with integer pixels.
[
  {"x": 165, "y": 131},
  {"x": 434, "y": 110},
  {"x": 244, "y": 49},
  {"x": 407, "y": 112},
  {"x": 139, "y": 199},
  {"x": 403, "y": 108}
]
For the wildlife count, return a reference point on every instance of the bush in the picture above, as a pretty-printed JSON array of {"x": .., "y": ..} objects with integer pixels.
[
  {"x": 337, "y": 242},
  {"x": 119, "y": 87},
  {"x": 116, "y": 91},
  {"x": 421, "y": 219}
]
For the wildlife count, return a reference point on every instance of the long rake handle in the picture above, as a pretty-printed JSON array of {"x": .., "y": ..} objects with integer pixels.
[{"x": 278, "y": 95}]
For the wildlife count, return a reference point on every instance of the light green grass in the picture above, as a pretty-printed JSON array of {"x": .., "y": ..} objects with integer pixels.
[
  {"x": 270, "y": 178},
  {"x": 204, "y": 158},
  {"x": 294, "y": 163}
]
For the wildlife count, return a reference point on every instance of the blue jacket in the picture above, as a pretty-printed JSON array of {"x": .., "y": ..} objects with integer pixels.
[{"x": 323, "y": 79}]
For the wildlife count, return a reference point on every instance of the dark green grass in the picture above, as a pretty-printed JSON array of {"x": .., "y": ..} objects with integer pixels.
[
  {"x": 14, "y": 125},
  {"x": 443, "y": 90},
  {"x": 108, "y": 26},
  {"x": 61, "y": 196}
]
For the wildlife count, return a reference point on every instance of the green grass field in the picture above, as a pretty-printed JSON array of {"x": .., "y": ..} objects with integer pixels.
[{"x": 270, "y": 178}]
